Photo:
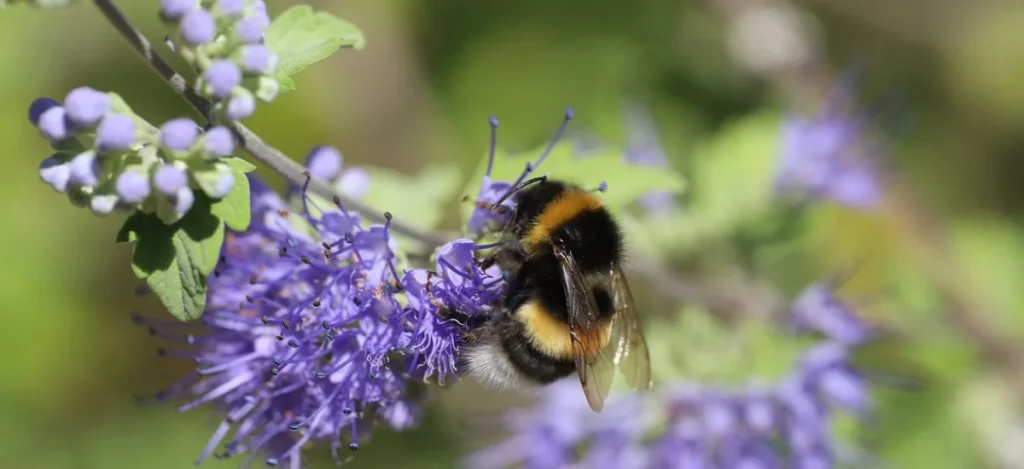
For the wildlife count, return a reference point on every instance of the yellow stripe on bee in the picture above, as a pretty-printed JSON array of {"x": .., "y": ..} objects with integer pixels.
[
  {"x": 551, "y": 336},
  {"x": 564, "y": 208}
]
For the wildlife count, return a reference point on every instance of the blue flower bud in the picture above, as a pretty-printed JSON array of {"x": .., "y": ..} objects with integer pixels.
[
  {"x": 257, "y": 59},
  {"x": 251, "y": 28},
  {"x": 103, "y": 204},
  {"x": 218, "y": 141},
  {"x": 230, "y": 8},
  {"x": 38, "y": 107},
  {"x": 222, "y": 186},
  {"x": 116, "y": 132},
  {"x": 198, "y": 27},
  {"x": 169, "y": 179},
  {"x": 85, "y": 169},
  {"x": 222, "y": 77},
  {"x": 354, "y": 182},
  {"x": 86, "y": 106},
  {"x": 845, "y": 388},
  {"x": 324, "y": 162},
  {"x": 53, "y": 124},
  {"x": 241, "y": 106},
  {"x": 183, "y": 201},
  {"x": 56, "y": 172},
  {"x": 132, "y": 187},
  {"x": 173, "y": 10},
  {"x": 179, "y": 134}
]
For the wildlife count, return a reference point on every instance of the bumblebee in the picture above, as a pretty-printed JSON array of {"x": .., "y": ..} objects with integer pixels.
[{"x": 568, "y": 307}]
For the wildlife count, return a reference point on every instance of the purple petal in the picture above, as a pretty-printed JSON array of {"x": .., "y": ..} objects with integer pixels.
[
  {"x": 85, "y": 169},
  {"x": 173, "y": 10},
  {"x": 251, "y": 28},
  {"x": 241, "y": 106},
  {"x": 103, "y": 204},
  {"x": 116, "y": 132},
  {"x": 53, "y": 124},
  {"x": 324, "y": 162},
  {"x": 55, "y": 172},
  {"x": 132, "y": 187},
  {"x": 223, "y": 76},
  {"x": 179, "y": 134},
  {"x": 198, "y": 27},
  {"x": 38, "y": 107},
  {"x": 183, "y": 200},
  {"x": 86, "y": 106},
  {"x": 354, "y": 182},
  {"x": 219, "y": 141},
  {"x": 256, "y": 59},
  {"x": 169, "y": 179}
]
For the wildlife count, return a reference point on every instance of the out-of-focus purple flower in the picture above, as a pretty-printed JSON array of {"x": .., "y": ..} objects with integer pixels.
[
  {"x": 86, "y": 106},
  {"x": 169, "y": 179},
  {"x": 218, "y": 141},
  {"x": 198, "y": 27},
  {"x": 230, "y": 8},
  {"x": 829, "y": 155},
  {"x": 354, "y": 182},
  {"x": 53, "y": 123},
  {"x": 103, "y": 204},
  {"x": 174, "y": 10},
  {"x": 785, "y": 425},
  {"x": 132, "y": 187},
  {"x": 241, "y": 106},
  {"x": 224, "y": 182},
  {"x": 179, "y": 134},
  {"x": 818, "y": 308},
  {"x": 223, "y": 76},
  {"x": 116, "y": 132},
  {"x": 56, "y": 172},
  {"x": 324, "y": 162}
]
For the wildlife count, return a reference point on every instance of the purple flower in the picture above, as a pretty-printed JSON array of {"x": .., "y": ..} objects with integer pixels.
[
  {"x": 53, "y": 124},
  {"x": 132, "y": 187},
  {"x": 85, "y": 170},
  {"x": 257, "y": 59},
  {"x": 818, "y": 308},
  {"x": 198, "y": 27},
  {"x": 169, "y": 179},
  {"x": 788, "y": 424},
  {"x": 38, "y": 107},
  {"x": 179, "y": 134},
  {"x": 174, "y": 10},
  {"x": 86, "y": 106},
  {"x": 305, "y": 339},
  {"x": 223, "y": 76},
  {"x": 241, "y": 106},
  {"x": 218, "y": 141},
  {"x": 116, "y": 132},
  {"x": 56, "y": 172},
  {"x": 829, "y": 155},
  {"x": 324, "y": 162},
  {"x": 222, "y": 186}
]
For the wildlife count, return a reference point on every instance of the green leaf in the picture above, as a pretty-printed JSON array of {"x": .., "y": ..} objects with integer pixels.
[
  {"x": 234, "y": 209},
  {"x": 418, "y": 199},
  {"x": 238, "y": 164},
  {"x": 989, "y": 254},
  {"x": 626, "y": 182},
  {"x": 176, "y": 259},
  {"x": 302, "y": 37}
]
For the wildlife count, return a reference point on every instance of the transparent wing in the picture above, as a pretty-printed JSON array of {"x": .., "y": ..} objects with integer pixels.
[
  {"x": 594, "y": 362},
  {"x": 627, "y": 340}
]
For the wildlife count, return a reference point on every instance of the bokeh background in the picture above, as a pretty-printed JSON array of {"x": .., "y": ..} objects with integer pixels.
[{"x": 944, "y": 261}]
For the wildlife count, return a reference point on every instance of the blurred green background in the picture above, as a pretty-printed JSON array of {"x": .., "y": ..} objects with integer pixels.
[{"x": 419, "y": 95}]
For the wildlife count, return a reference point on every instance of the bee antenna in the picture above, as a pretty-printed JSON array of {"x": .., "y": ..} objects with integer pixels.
[{"x": 520, "y": 187}]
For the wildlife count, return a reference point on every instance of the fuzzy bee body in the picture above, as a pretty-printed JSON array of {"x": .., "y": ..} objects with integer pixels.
[{"x": 568, "y": 307}]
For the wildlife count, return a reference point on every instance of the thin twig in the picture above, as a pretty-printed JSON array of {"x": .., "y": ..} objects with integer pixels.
[{"x": 248, "y": 140}]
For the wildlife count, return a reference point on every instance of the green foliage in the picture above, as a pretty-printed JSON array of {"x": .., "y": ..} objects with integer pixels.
[
  {"x": 991, "y": 256},
  {"x": 302, "y": 37},
  {"x": 176, "y": 259},
  {"x": 732, "y": 188},
  {"x": 626, "y": 182},
  {"x": 417, "y": 199},
  {"x": 234, "y": 208}
]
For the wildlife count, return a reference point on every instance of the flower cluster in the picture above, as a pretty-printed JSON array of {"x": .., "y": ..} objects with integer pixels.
[
  {"x": 829, "y": 155},
  {"x": 127, "y": 163},
  {"x": 690, "y": 426},
  {"x": 223, "y": 40},
  {"x": 311, "y": 331}
]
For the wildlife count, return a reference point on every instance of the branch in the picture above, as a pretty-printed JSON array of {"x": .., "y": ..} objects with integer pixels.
[{"x": 248, "y": 140}]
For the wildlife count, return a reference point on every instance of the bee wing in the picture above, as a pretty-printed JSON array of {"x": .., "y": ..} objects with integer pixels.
[
  {"x": 594, "y": 363},
  {"x": 630, "y": 348}
]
